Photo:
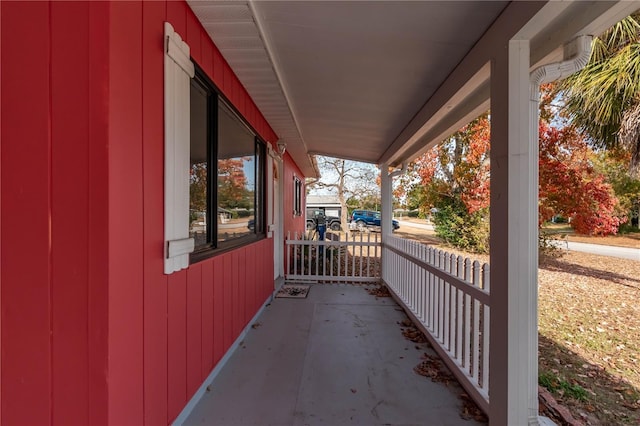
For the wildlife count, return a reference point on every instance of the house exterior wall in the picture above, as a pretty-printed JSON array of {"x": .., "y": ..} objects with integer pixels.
[
  {"x": 53, "y": 220},
  {"x": 92, "y": 331},
  {"x": 292, "y": 223}
]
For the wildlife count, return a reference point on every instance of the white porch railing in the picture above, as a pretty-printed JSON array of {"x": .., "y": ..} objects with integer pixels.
[
  {"x": 448, "y": 297},
  {"x": 340, "y": 258}
]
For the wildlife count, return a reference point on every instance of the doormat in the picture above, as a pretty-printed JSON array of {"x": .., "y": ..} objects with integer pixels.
[{"x": 293, "y": 291}]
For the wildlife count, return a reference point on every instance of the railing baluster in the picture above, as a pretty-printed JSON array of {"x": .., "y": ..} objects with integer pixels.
[
  {"x": 460, "y": 311},
  {"x": 447, "y": 294},
  {"x": 440, "y": 260},
  {"x": 476, "y": 322},
  {"x": 452, "y": 305},
  {"x": 368, "y": 255},
  {"x": 467, "y": 318},
  {"x": 485, "y": 331}
]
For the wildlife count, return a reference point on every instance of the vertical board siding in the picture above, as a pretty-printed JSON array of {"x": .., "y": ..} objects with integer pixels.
[
  {"x": 98, "y": 282},
  {"x": 177, "y": 344},
  {"x": 155, "y": 282},
  {"x": 242, "y": 289},
  {"x": 177, "y": 16},
  {"x": 207, "y": 319},
  {"x": 193, "y": 36},
  {"x": 126, "y": 382},
  {"x": 235, "y": 286},
  {"x": 26, "y": 267},
  {"x": 93, "y": 332},
  {"x": 194, "y": 328},
  {"x": 250, "y": 280},
  {"x": 218, "y": 309},
  {"x": 227, "y": 302},
  {"x": 207, "y": 53},
  {"x": 69, "y": 212}
]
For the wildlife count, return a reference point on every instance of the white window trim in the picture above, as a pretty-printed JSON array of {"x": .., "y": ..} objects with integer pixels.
[
  {"x": 178, "y": 72},
  {"x": 297, "y": 196}
]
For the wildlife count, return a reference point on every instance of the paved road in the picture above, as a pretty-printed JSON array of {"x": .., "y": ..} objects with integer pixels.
[
  {"x": 612, "y": 251},
  {"x": 426, "y": 226},
  {"x": 602, "y": 250}
]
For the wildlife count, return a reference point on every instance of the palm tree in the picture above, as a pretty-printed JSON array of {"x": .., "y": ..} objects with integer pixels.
[{"x": 603, "y": 99}]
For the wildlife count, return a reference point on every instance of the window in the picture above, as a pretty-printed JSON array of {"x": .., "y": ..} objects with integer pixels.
[
  {"x": 297, "y": 197},
  {"x": 226, "y": 182}
]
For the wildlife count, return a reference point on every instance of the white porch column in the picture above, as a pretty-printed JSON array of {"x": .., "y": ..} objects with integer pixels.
[
  {"x": 514, "y": 242},
  {"x": 386, "y": 210}
]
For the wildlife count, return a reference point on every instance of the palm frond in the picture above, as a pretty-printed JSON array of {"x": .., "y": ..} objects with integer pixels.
[{"x": 598, "y": 97}]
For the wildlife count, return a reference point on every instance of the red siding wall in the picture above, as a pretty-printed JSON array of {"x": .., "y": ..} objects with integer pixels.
[
  {"x": 92, "y": 331},
  {"x": 53, "y": 219},
  {"x": 292, "y": 223}
]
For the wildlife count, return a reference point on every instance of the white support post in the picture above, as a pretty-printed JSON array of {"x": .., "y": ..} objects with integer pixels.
[
  {"x": 386, "y": 210},
  {"x": 514, "y": 243}
]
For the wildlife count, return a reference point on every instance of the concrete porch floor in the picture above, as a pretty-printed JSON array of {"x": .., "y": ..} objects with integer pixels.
[{"x": 337, "y": 357}]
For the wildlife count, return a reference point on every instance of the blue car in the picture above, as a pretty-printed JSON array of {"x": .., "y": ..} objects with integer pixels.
[{"x": 362, "y": 219}]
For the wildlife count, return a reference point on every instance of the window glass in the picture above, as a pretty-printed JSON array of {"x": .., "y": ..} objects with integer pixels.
[
  {"x": 297, "y": 197},
  {"x": 236, "y": 176},
  {"x": 227, "y": 174},
  {"x": 198, "y": 176}
]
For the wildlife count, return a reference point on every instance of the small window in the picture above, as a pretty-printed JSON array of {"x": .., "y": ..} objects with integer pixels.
[
  {"x": 297, "y": 197},
  {"x": 226, "y": 197}
]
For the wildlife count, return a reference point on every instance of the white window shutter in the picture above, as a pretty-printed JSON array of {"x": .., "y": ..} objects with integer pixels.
[{"x": 178, "y": 72}]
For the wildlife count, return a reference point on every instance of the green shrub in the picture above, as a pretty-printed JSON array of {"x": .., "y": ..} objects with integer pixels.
[
  {"x": 457, "y": 227},
  {"x": 549, "y": 244},
  {"x": 627, "y": 228}
]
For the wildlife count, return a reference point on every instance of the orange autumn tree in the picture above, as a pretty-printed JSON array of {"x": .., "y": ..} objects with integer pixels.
[
  {"x": 453, "y": 184},
  {"x": 232, "y": 184},
  {"x": 452, "y": 181},
  {"x": 571, "y": 186}
]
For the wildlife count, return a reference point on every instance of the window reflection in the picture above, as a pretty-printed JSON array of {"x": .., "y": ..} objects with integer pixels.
[
  {"x": 198, "y": 176},
  {"x": 236, "y": 177}
]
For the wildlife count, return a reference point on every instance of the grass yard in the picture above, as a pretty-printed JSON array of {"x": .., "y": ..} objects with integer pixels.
[{"x": 589, "y": 326}]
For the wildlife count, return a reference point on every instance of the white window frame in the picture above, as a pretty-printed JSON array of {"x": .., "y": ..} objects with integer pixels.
[
  {"x": 297, "y": 196},
  {"x": 178, "y": 72}
]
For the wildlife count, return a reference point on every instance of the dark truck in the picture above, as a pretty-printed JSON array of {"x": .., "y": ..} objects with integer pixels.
[{"x": 332, "y": 222}]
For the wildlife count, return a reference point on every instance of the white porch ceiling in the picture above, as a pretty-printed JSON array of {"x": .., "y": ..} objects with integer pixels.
[{"x": 378, "y": 81}]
